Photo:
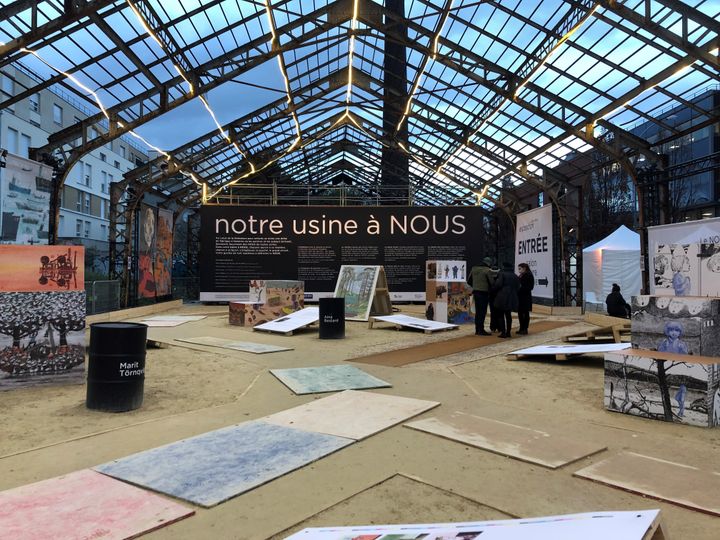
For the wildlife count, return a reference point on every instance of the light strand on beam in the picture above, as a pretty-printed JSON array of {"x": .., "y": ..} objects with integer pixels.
[
  {"x": 525, "y": 81},
  {"x": 191, "y": 88},
  {"x": 275, "y": 46},
  {"x": 426, "y": 60},
  {"x": 351, "y": 54},
  {"x": 102, "y": 108}
]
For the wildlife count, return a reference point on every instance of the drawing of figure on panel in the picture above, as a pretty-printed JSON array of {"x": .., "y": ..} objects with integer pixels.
[
  {"x": 660, "y": 264},
  {"x": 680, "y": 398},
  {"x": 146, "y": 253},
  {"x": 672, "y": 342},
  {"x": 680, "y": 282}
]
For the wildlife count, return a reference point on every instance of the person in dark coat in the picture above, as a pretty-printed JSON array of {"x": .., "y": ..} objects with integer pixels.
[
  {"x": 481, "y": 278},
  {"x": 616, "y": 304},
  {"x": 527, "y": 283},
  {"x": 507, "y": 285}
]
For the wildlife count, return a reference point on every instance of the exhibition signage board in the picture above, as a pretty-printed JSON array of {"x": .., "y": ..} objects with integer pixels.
[
  {"x": 310, "y": 244},
  {"x": 592, "y": 526},
  {"x": 534, "y": 246}
]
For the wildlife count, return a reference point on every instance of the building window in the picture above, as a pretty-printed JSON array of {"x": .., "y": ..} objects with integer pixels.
[
  {"x": 57, "y": 114},
  {"x": 78, "y": 227},
  {"x": 12, "y": 142},
  {"x": 87, "y": 180},
  {"x": 61, "y": 225},
  {"x": 87, "y": 203},
  {"x": 117, "y": 164},
  {"x": 122, "y": 151},
  {"x": 103, "y": 157},
  {"x": 103, "y": 181},
  {"x": 79, "y": 202},
  {"x": 93, "y": 133},
  {"x": 87, "y": 229},
  {"x": 8, "y": 86},
  {"x": 34, "y": 102},
  {"x": 104, "y": 232},
  {"x": 24, "y": 145}
]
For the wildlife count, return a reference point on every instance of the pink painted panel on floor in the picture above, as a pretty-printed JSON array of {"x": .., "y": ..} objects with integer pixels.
[{"x": 84, "y": 505}]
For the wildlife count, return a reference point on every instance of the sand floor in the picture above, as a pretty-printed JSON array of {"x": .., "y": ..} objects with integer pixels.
[{"x": 397, "y": 476}]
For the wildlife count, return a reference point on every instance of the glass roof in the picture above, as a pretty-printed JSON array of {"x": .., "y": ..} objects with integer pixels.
[{"x": 497, "y": 93}]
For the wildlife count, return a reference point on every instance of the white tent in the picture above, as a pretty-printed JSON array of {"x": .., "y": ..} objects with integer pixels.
[{"x": 614, "y": 259}]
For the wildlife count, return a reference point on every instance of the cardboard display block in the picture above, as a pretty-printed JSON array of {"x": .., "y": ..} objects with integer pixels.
[
  {"x": 448, "y": 298},
  {"x": 663, "y": 386},
  {"x": 681, "y": 325},
  {"x": 294, "y": 321},
  {"x": 269, "y": 300},
  {"x": 42, "y": 268},
  {"x": 81, "y": 505},
  {"x": 448, "y": 271}
]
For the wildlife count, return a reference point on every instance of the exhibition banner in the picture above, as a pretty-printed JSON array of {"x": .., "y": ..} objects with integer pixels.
[
  {"x": 310, "y": 244},
  {"x": 164, "y": 251},
  {"x": 147, "y": 252},
  {"x": 534, "y": 246},
  {"x": 25, "y": 201}
]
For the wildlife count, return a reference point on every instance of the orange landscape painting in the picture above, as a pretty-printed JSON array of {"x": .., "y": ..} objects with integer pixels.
[{"x": 42, "y": 268}]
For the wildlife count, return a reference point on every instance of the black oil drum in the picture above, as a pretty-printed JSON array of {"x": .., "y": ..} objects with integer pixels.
[
  {"x": 332, "y": 318},
  {"x": 116, "y": 366}
]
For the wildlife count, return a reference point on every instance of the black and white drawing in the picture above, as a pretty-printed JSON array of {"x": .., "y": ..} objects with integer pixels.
[
  {"x": 42, "y": 338},
  {"x": 676, "y": 270},
  {"x": 710, "y": 269},
  {"x": 672, "y": 391},
  {"x": 676, "y": 325}
]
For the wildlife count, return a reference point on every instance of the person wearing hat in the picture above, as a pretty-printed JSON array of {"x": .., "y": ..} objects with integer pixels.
[
  {"x": 616, "y": 304},
  {"x": 507, "y": 286},
  {"x": 481, "y": 278}
]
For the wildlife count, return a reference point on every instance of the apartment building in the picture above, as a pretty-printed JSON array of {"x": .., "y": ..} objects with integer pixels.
[{"x": 85, "y": 198}]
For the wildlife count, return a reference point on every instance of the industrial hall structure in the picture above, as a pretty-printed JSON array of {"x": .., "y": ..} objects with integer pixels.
[{"x": 195, "y": 170}]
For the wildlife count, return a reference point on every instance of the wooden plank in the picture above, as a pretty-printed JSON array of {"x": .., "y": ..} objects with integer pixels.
[
  {"x": 676, "y": 483},
  {"x": 600, "y": 319},
  {"x": 351, "y": 414},
  {"x": 518, "y": 442},
  {"x": 133, "y": 313}
]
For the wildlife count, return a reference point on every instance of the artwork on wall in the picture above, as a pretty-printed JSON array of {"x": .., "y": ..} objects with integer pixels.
[
  {"x": 357, "y": 285},
  {"x": 279, "y": 298},
  {"x": 42, "y": 338},
  {"x": 687, "y": 392},
  {"x": 460, "y": 304},
  {"x": 146, "y": 252},
  {"x": 676, "y": 270},
  {"x": 688, "y": 325},
  {"x": 710, "y": 269},
  {"x": 446, "y": 270},
  {"x": 42, "y": 268},
  {"x": 162, "y": 268},
  {"x": 26, "y": 189}
]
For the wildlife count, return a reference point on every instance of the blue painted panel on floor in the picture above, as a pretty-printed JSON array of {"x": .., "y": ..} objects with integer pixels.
[
  {"x": 315, "y": 380},
  {"x": 216, "y": 466}
]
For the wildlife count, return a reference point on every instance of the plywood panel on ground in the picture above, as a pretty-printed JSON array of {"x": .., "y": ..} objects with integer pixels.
[
  {"x": 510, "y": 440},
  {"x": 666, "y": 480},
  {"x": 216, "y": 466},
  {"x": 84, "y": 504},
  {"x": 352, "y": 414},
  {"x": 315, "y": 380}
]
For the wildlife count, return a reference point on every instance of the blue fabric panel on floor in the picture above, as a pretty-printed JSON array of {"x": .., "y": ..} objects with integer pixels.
[{"x": 216, "y": 466}]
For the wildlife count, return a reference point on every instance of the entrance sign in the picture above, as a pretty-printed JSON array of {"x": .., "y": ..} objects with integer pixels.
[
  {"x": 310, "y": 244},
  {"x": 533, "y": 246}
]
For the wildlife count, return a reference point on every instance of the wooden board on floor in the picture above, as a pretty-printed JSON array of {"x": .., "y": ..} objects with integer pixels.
[
  {"x": 406, "y": 321},
  {"x": 351, "y": 414},
  {"x": 519, "y": 442},
  {"x": 216, "y": 466},
  {"x": 676, "y": 483},
  {"x": 292, "y": 322},
  {"x": 606, "y": 333},
  {"x": 84, "y": 504},
  {"x": 601, "y": 319}
]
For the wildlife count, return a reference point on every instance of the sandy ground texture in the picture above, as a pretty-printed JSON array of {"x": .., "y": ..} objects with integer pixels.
[{"x": 397, "y": 476}]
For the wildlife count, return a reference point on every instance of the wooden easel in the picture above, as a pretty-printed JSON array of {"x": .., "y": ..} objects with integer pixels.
[{"x": 381, "y": 303}]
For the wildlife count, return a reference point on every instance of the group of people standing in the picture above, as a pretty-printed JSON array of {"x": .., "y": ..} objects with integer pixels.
[{"x": 503, "y": 292}]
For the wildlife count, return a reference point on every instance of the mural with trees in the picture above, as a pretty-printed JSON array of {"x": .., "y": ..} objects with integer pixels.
[{"x": 42, "y": 337}]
